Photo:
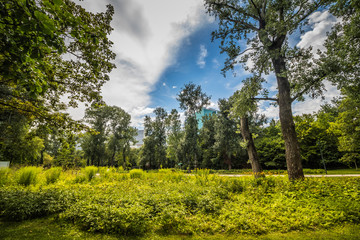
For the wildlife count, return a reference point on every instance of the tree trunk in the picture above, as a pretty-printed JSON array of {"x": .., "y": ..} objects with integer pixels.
[
  {"x": 124, "y": 158},
  {"x": 250, "y": 146},
  {"x": 292, "y": 148}
]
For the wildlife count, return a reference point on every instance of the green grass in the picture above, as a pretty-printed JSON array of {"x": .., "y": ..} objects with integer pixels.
[
  {"x": 49, "y": 228},
  {"x": 174, "y": 205},
  {"x": 344, "y": 171}
]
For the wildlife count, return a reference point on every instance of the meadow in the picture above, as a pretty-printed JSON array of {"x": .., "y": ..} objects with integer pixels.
[{"x": 111, "y": 202}]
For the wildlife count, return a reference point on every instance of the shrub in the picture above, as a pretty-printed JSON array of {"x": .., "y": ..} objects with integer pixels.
[
  {"x": 130, "y": 219},
  {"x": 90, "y": 172},
  {"x": 22, "y": 204},
  {"x": 52, "y": 174},
  {"x": 137, "y": 173},
  {"x": 28, "y": 175},
  {"x": 5, "y": 174}
]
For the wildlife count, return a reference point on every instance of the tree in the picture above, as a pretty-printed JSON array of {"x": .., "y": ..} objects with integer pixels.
[
  {"x": 270, "y": 146},
  {"x": 227, "y": 140},
  {"x": 207, "y": 141},
  {"x": 154, "y": 149},
  {"x": 192, "y": 100},
  {"x": 94, "y": 144},
  {"x": 266, "y": 25},
  {"x": 19, "y": 143},
  {"x": 49, "y": 49},
  {"x": 340, "y": 62},
  {"x": 121, "y": 134},
  {"x": 347, "y": 127},
  {"x": 174, "y": 137},
  {"x": 243, "y": 105}
]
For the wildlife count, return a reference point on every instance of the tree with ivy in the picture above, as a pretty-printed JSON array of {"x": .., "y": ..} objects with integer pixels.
[{"x": 266, "y": 25}]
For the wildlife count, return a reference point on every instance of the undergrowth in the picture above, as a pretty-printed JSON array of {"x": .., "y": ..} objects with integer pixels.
[{"x": 171, "y": 202}]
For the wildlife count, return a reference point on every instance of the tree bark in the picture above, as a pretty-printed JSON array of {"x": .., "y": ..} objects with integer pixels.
[
  {"x": 292, "y": 148},
  {"x": 250, "y": 146}
]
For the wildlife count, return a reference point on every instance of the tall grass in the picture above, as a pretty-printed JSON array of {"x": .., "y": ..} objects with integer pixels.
[
  {"x": 53, "y": 174},
  {"x": 137, "y": 173},
  {"x": 28, "y": 175}
]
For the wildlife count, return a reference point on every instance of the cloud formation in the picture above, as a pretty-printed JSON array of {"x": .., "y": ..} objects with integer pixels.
[
  {"x": 146, "y": 36},
  {"x": 321, "y": 23},
  {"x": 202, "y": 55}
]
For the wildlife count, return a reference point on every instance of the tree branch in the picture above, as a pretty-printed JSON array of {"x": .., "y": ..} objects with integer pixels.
[
  {"x": 266, "y": 99},
  {"x": 235, "y": 9}
]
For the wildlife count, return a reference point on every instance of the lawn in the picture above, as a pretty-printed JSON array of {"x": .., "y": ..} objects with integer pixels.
[{"x": 104, "y": 203}]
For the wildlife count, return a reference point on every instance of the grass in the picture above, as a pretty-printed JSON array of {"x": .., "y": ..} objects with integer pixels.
[
  {"x": 49, "y": 228},
  {"x": 344, "y": 171},
  {"x": 175, "y": 205}
]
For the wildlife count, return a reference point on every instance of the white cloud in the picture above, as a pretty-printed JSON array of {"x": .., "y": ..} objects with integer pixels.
[
  {"x": 138, "y": 115},
  {"x": 202, "y": 55},
  {"x": 270, "y": 111},
  {"x": 146, "y": 36},
  {"x": 321, "y": 23},
  {"x": 213, "y": 105},
  {"x": 312, "y": 105}
]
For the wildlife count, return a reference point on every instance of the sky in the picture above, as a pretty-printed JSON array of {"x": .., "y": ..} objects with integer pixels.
[{"x": 161, "y": 45}]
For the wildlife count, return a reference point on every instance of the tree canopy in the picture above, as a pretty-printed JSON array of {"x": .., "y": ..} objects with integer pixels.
[{"x": 50, "y": 50}]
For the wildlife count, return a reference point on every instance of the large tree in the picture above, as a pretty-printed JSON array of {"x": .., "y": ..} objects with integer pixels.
[
  {"x": 50, "y": 49},
  {"x": 266, "y": 25}
]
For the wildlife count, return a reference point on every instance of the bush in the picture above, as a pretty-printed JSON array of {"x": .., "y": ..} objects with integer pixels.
[
  {"x": 52, "y": 174},
  {"x": 137, "y": 173},
  {"x": 130, "y": 219},
  {"x": 90, "y": 172},
  {"x": 5, "y": 174},
  {"x": 28, "y": 175},
  {"x": 22, "y": 204}
]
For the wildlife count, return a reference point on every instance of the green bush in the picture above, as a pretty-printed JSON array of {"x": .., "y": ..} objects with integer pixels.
[
  {"x": 137, "y": 173},
  {"x": 5, "y": 174},
  {"x": 53, "y": 174},
  {"x": 22, "y": 204},
  {"x": 130, "y": 219},
  {"x": 28, "y": 175},
  {"x": 90, "y": 172}
]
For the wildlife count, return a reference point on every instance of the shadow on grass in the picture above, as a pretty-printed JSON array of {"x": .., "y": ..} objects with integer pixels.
[{"x": 49, "y": 228}]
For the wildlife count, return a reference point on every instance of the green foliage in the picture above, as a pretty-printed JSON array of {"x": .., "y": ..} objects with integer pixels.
[
  {"x": 137, "y": 173},
  {"x": 20, "y": 204},
  {"x": 90, "y": 172},
  {"x": 35, "y": 36},
  {"x": 5, "y": 174},
  {"x": 53, "y": 174},
  {"x": 126, "y": 219},
  {"x": 28, "y": 175},
  {"x": 170, "y": 202}
]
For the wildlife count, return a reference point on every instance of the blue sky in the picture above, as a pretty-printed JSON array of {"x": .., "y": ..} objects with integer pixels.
[{"x": 163, "y": 44}]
